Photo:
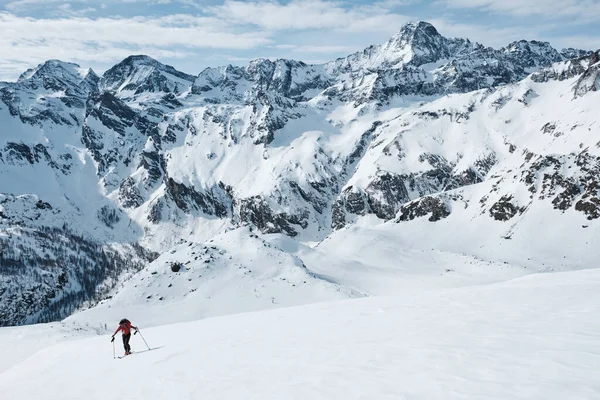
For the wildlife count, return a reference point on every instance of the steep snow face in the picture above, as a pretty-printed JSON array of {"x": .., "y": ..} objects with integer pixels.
[
  {"x": 538, "y": 334},
  {"x": 503, "y": 139},
  {"x": 147, "y": 154}
]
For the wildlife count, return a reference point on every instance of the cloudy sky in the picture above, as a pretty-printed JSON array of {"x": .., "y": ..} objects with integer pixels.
[{"x": 194, "y": 34}]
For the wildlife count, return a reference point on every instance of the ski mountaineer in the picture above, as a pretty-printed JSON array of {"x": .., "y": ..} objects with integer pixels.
[{"x": 125, "y": 326}]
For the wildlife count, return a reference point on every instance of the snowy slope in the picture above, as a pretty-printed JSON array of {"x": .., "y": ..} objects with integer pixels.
[
  {"x": 30, "y": 339},
  {"x": 534, "y": 337},
  {"x": 234, "y": 272},
  {"x": 240, "y": 271}
]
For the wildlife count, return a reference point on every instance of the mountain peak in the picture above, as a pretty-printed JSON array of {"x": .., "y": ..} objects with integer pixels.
[
  {"x": 415, "y": 34},
  {"x": 527, "y": 45},
  {"x": 412, "y": 29},
  {"x": 141, "y": 59},
  {"x": 417, "y": 42},
  {"x": 142, "y": 72},
  {"x": 55, "y": 68},
  {"x": 571, "y": 53},
  {"x": 135, "y": 62},
  {"x": 533, "y": 53},
  {"x": 57, "y": 76}
]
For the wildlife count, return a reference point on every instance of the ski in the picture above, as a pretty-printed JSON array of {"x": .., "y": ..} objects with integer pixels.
[{"x": 138, "y": 352}]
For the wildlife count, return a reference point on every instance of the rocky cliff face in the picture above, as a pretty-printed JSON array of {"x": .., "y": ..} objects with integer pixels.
[{"x": 148, "y": 154}]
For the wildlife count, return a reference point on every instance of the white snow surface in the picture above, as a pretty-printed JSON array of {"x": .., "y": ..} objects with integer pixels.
[
  {"x": 232, "y": 273},
  {"x": 536, "y": 337}
]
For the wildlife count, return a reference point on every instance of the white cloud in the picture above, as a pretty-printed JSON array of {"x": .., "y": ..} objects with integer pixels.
[
  {"x": 86, "y": 41},
  {"x": 229, "y": 58},
  {"x": 162, "y": 32},
  {"x": 66, "y": 9},
  {"x": 313, "y": 48},
  {"x": 307, "y": 14},
  {"x": 585, "y": 10},
  {"x": 285, "y": 46},
  {"x": 311, "y": 14},
  {"x": 17, "y": 6},
  {"x": 578, "y": 41},
  {"x": 234, "y": 25},
  {"x": 499, "y": 37},
  {"x": 23, "y": 5},
  {"x": 486, "y": 35}
]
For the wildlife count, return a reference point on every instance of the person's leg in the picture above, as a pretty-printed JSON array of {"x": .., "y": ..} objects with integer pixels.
[{"x": 126, "y": 342}]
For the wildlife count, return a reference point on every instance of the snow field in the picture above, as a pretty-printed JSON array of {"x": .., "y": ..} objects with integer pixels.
[{"x": 535, "y": 337}]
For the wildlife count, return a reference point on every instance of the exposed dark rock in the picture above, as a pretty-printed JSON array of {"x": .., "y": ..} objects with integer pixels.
[
  {"x": 590, "y": 207},
  {"x": 152, "y": 161},
  {"x": 386, "y": 193},
  {"x": 176, "y": 266},
  {"x": 570, "y": 53},
  {"x": 317, "y": 202},
  {"x": 563, "y": 200},
  {"x": 574, "y": 67},
  {"x": 338, "y": 215},
  {"x": 547, "y": 178},
  {"x": 590, "y": 79},
  {"x": 20, "y": 151},
  {"x": 155, "y": 213},
  {"x": 42, "y": 205},
  {"x": 109, "y": 216},
  {"x": 129, "y": 195},
  {"x": 362, "y": 144},
  {"x": 422, "y": 207},
  {"x": 504, "y": 209},
  {"x": 465, "y": 178},
  {"x": 213, "y": 202},
  {"x": 111, "y": 112},
  {"x": 256, "y": 211}
]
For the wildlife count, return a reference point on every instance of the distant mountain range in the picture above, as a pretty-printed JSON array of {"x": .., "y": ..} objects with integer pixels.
[{"x": 101, "y": 174}]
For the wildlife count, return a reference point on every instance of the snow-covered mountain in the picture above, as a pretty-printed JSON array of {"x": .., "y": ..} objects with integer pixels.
[{"x": 432, "y": 138}]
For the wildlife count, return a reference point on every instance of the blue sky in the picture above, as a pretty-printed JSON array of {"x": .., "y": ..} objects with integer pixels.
[{"x": 194, "y": 34}]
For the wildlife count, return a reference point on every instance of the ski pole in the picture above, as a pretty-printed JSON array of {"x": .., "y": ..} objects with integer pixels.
[
  {"x": 144, "y": 339},
  {"x": 113, "y": 343}
]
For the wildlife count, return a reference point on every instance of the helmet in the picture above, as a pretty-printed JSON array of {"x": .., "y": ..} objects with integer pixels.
[{"x": 123, "y": 321}]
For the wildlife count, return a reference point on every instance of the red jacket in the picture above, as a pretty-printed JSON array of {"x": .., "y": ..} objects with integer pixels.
[{"x": 126, "y": 328}]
